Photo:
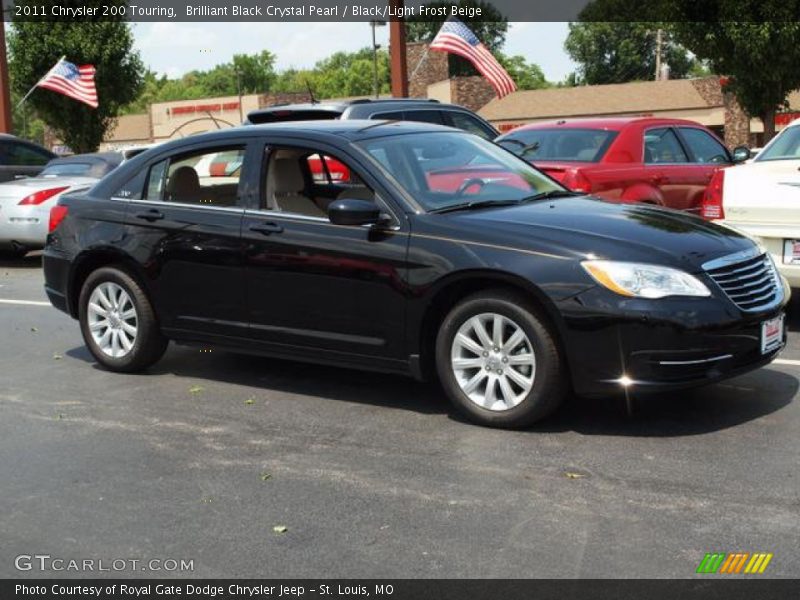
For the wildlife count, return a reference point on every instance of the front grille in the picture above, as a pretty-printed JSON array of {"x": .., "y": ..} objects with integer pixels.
[{"x": 751, "y": 284}]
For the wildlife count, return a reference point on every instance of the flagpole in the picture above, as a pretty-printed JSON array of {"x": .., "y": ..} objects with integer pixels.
[{"x": 42, "y": 78}]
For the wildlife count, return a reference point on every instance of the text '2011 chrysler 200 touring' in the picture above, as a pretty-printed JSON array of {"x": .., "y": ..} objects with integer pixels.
[{"x": 442, "y": 254}]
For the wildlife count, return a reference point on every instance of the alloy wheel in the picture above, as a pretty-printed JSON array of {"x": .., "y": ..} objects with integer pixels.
[
  {"x": 493, "y": 361},
  {"x": 112, "y": 319}
]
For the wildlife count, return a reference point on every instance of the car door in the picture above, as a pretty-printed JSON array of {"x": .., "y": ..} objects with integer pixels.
[
  {"x": 185, "y": 229},
  {"x": 707, "y": 154},
  {"x": 316, "y": 287},
  {"x": 19, "y": 159},
  {"x": 668, "y": 167}
]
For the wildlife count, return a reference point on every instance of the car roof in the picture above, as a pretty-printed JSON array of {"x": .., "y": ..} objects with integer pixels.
[{"x": 609, "y": 123}]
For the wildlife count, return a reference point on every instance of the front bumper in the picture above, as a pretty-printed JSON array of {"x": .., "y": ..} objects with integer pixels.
[{"x": 614, "y": 343}]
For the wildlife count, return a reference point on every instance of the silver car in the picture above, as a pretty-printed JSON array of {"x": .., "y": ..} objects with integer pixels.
[{"x": 25, "y": 203}]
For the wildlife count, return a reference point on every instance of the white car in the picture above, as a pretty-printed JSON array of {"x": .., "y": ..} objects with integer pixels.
[
  {"x": 762, "y": 198},
  {"x": 25, "y": 203}
]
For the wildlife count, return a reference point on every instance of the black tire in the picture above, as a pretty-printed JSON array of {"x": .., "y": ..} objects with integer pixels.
[
  {"x": 550, "y": 379},
  {"x": 149, "y": 344}
]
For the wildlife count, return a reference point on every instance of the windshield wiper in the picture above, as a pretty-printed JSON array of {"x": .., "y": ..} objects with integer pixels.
[
  {"x": 551, "y": 194},
  {"x": 475, "y": 204}
]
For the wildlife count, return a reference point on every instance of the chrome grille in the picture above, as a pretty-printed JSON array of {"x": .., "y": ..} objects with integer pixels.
[{"x": 751, "y": 284}]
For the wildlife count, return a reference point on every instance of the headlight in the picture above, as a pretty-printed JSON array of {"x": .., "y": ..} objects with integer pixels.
[{"x": 638, "y": 280}]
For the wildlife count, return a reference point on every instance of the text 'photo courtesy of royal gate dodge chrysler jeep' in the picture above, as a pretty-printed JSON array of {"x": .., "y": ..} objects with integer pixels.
[{"x": 443, "y": 255}]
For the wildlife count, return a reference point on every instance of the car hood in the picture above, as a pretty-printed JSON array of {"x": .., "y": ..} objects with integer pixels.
[
  {"x": 586, "y": 227},
  {"x": 14, "y": 191}
]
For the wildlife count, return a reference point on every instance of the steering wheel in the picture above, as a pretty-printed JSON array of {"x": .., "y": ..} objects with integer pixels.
[{"x": 469, "y": 183}]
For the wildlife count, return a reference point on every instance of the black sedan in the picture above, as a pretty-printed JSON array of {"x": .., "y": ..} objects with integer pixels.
[{"x": 443, "y": 254}]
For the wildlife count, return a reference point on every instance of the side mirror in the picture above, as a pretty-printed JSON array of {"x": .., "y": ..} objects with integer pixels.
[
  {"x": 352, "y": 211},
  {"x": 741, "y": 154}
]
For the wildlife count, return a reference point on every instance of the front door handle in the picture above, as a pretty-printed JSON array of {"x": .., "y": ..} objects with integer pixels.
[
  {"x": 266, "y": 228},
  {"x": 150, "y": 215}
]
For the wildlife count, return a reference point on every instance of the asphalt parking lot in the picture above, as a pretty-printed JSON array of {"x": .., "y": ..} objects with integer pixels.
[{"x": 372, "y": 475}]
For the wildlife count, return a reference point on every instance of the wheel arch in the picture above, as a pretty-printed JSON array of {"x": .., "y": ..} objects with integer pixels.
[
  {"x": 96, "y": 258},
  {"x": 451, "y": 290}
]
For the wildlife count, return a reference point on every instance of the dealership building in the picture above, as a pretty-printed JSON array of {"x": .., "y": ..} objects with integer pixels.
[{"x": 703, "y": 100}]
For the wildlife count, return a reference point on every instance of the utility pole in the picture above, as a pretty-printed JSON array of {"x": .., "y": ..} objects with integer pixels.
[
  {"x": 397, "y": 47},
  {"x": 375, "y": 47},
  {"x": 5, "y": 96},
  {"x": 659, "y": 41}
]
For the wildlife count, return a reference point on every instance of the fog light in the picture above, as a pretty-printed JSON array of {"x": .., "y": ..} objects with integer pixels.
[{"x": 625, "y": 381}]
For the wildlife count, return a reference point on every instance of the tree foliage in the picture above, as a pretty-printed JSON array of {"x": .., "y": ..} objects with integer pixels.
[
  {"x": 527, "y": 76},
  {"x": 490, "y": 28},
  {"x": 108, "y": 45},
  {"x": 760, "y": 60},
  {"x": 752, "y": 42},
  {"x": 617, "y": 52}
]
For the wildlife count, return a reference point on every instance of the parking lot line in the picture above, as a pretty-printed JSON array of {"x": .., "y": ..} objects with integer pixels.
[
  {"x": 24, "y": 302},
  {"x": 786, "y": 361}
]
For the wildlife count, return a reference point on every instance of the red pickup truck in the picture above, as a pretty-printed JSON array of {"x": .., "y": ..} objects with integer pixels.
[{"x": 668, "y": 162}]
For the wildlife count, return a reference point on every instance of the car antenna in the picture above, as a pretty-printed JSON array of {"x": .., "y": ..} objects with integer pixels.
[{"x": 311, "y": 92}]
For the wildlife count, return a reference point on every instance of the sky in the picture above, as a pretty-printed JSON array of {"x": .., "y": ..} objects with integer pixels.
[{"x": 174, "y": 48}]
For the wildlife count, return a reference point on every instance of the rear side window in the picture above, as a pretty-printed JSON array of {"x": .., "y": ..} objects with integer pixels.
[
  {"x": 468, "y": 123},
  {"x": 661, "y": 146},
  {"x": 425, "y": 116},
  {"x": 26, "y": 156},
  {"x": 573, "y": 145},
  {"x": 279, "y": 116},
  {"x": 703, "y": 146},
  {"x": 389, "y": 116}
]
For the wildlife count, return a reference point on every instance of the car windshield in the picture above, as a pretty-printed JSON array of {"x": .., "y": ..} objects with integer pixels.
[
  {"x": 70, "y": 169},
  {"x": 578, "y": 145},
  {"x": 785, "y": 147},
  {"x": 442, "y": 169}
]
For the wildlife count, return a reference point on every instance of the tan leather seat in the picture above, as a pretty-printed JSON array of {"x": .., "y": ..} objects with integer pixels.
[
  {"x": 287, "y": 189},
  {"x": 184, "y": 186}
]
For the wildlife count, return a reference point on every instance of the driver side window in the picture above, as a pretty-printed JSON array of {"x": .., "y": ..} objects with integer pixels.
[{"x": 304, "y": 182}]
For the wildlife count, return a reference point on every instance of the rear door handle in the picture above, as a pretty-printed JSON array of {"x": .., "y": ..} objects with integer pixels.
[
  {"x": 266, "y": 228},
  {"x": 150, "y": 215}
]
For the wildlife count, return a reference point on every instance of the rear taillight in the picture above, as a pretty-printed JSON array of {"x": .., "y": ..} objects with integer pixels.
[
  {"x": 57, "y": 214},
  {"x": 577, "y": 181},
  {"x": 40, "y": 196},
  {"x": 711, "y": 207}
]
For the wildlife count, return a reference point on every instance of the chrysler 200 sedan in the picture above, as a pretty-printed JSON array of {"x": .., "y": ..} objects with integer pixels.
[{"x": 443, "y": 254}]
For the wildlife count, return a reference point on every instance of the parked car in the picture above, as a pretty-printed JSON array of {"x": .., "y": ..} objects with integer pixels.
[
  {"x": 668, "y": 162},
  {"x": 25, "y": 204},
  {"x": 393, "y": 109},
  {"x": 20, "y": 158},
  {"x": 763, "y": 199},
  {"x": 443, "y": 254}
]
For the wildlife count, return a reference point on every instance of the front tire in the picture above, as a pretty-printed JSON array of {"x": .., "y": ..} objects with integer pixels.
[
  {"x": 118, "y": 322},
  {"x": 498, "y": 361}
]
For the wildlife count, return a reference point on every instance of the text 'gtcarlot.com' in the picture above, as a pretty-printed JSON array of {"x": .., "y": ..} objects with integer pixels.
[{"x": 46, "y": 562}]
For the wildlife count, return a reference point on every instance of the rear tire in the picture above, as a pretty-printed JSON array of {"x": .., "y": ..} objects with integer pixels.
[
  {"x": 498, "y": 361},
  {"x": 118, "y": 322}
]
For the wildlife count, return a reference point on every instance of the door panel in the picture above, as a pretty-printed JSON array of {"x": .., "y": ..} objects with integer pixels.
[
  {"x": 186, "y": 231},
  {"x": 312, "y": 283}
]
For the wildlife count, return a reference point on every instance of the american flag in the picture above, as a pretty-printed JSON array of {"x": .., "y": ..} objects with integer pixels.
[
  {"x": 456, "y": 38},
  {"x": 75, "y": 82}
]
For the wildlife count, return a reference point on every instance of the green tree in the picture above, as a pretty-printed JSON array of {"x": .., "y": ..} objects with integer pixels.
[
  {"x": 108, "y": 45},
  {"x": 760, "y": 59},
  {"x": 617, "y": 52},
  {"x": 527, "y": 76},
  {"x": 490, "y": 28}
]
